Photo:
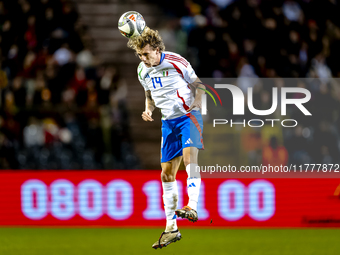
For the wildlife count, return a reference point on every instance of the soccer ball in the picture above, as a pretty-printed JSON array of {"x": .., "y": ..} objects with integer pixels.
[{"x": 131, "y": 24}]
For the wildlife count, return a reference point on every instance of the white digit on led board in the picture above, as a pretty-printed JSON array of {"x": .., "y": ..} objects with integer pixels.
[
  {"x": 268, "y": 200},
  {"x": 62, "y": 199},
  {"x": 123, "y": 209},
  {"x": 226, "y": 209},
  {"x": 153, "y": 191},
  {"x": 90, "y": 199},
  {"x": 34, "y": 199}
]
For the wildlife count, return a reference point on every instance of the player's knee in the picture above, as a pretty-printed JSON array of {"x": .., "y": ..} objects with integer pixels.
[
  {"x": 167, "y": 177},
  {"x": 186, "y": 161},
  {"x": 190, "y": 155}
]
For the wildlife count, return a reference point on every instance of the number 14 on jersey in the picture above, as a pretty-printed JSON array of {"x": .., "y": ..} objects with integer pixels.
[{"x": 157, "y": 80}]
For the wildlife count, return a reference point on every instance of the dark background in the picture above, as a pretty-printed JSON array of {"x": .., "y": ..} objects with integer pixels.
[{"x": 70, "y": 97}]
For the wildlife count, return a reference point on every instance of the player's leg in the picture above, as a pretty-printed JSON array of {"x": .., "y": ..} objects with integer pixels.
[
  {"x": 190, "y": 155},
  {"x": 171, "y": 157},
  {"x": 192, "y": 141},
  {"x": 189, "y": 212},
  {"x": 170, "y": 199},
  {"x": 170, "y": 191}
]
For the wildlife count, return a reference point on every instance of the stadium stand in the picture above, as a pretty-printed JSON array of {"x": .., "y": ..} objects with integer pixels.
[
  {"x": 61, "y": 107},
  {"x": 70, "y": 98}
]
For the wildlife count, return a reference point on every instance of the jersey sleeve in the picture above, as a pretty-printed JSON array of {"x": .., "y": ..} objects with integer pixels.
[
  {"x": 182, "y": 66},
  {"x": 141, "y": 80},
  {"x": 189, "y": 74}
]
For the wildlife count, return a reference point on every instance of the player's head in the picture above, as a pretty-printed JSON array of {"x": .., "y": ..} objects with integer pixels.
[{"x": 148, "y": 46}]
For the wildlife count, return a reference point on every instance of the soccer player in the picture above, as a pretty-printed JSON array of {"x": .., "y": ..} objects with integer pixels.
[{"x": 166, "y": 78}]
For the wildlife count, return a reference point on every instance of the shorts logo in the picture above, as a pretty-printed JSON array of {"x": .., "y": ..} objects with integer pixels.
[{"x": 189, "y": 141}]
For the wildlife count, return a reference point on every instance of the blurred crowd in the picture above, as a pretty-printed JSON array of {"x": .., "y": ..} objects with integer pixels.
[
  {"x": 60, "y": 108},
  {"x": 269, "y": 39},
  {"x": 314, "y": 140}
]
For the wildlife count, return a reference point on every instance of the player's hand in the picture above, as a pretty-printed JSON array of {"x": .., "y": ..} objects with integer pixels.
[
  {"x": 146, "y": 115},
  {"x": 196, "y": 103}
]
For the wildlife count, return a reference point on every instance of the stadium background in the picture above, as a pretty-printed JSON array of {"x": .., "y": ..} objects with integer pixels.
[{"x": 70, "y": 99}]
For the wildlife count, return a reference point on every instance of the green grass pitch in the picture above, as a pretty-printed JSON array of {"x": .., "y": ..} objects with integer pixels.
[{"x": 110, "y": 241}]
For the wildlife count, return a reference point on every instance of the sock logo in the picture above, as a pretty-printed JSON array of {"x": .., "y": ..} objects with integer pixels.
[{"x": 191, "y": 185}]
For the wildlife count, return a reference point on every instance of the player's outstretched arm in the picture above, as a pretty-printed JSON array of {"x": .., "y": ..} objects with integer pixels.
[
  {"x": 149, "y": 107},
  {"x": 198, "y": 97}
]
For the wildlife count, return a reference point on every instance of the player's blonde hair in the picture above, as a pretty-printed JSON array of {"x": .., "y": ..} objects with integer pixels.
[{"x": 149, "y": 36}]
